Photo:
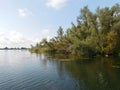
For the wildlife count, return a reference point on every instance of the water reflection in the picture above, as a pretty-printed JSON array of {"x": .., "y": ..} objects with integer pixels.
[
  {"x": 21, "y": 70},
  {"x": 94, "y": 74}
]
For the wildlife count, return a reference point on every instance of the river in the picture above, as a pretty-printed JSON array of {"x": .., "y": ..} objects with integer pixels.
[{"x": 21, "y": 70}]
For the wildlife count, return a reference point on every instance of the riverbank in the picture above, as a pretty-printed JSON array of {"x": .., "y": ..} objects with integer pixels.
[{"x": 95, "y": 34}]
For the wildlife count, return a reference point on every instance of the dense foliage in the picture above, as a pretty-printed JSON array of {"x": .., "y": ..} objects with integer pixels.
[{"x": 95, "y": 34}]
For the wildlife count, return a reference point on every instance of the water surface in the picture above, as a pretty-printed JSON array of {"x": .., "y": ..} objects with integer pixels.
[{"x": 21, "y": 70}]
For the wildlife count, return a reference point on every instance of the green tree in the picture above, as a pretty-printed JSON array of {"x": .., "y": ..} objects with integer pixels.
[
  {"x": 95, "y": 33},
  {"x": 60, "y": 33}
]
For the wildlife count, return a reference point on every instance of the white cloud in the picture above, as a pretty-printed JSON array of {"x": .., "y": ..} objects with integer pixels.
[
  {"x": 24, "y": 12},
  {"x": 14, "y": 39},
  {"x": 57, "y": 4}
]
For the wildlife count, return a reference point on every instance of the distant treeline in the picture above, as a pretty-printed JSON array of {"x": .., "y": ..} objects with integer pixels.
[
  {"x": 96, "y": 33},
  {"x": 22, "y": 48}
]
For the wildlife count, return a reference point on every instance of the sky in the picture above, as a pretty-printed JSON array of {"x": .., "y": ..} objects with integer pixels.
[{"x": 26, "y": 22}]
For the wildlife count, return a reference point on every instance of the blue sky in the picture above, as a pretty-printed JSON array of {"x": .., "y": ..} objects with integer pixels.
[{"x": 25, "y": 22}]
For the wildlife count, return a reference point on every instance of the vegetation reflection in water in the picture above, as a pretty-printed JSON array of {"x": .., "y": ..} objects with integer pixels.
[{"x": 92, "y": 74}]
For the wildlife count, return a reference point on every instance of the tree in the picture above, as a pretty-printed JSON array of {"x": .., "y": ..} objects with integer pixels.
[
  {"x": 95, "y": 33},
  {"x": 60, "y": 33}
]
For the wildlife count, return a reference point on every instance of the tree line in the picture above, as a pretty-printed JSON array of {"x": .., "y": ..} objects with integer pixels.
[{"x": 96, "y": 33}]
